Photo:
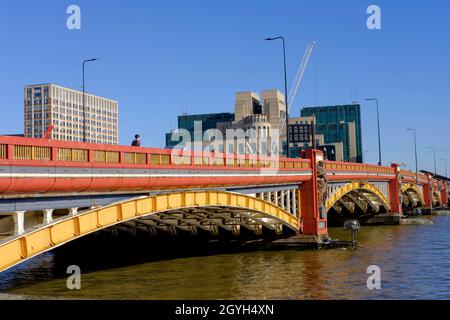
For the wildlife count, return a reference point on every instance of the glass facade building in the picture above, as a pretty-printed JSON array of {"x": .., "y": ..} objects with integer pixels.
[
  {"x": 340, "y": 123},
  {"x": 208, "y": 121}
]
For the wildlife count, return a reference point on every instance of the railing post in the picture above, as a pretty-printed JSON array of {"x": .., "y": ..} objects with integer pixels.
[
  {"x": 10, "y": 152},
  {"x": 90, "y": 155},
  {"x": 54, "y": 154},
  {"x": 312, "y": 222},
  {"x": 395, "y": 191}
]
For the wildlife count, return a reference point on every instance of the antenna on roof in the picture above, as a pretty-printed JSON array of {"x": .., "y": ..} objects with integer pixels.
[
  {"x": 355, "y": 98},
  {"x": 184, "y": 108}
]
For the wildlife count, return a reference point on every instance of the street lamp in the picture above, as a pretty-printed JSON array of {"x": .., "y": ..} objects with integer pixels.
[
  {"x": 415, "y": 152},
  {"x": 285, "y": 91},
  {"x": 84, "y": 98},
  {"x": 434, "y": 152},
  {"x": 445, "y": 165},
  {"x": 378, "y": 122}
]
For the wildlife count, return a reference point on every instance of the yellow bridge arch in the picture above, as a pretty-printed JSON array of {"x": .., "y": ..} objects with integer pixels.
[
  {"x": 357, "y": 186},
  {"x": 412, "y": 187},
  {"x": 47, "y": 237},
  {"x": 437, "y": 198}
]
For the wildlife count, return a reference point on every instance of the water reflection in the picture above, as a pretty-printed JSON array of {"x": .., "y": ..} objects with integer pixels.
[{"x": 415, "y": 263}]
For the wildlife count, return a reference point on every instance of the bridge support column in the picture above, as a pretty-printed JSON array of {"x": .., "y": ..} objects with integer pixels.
[
  {"x": 395, "y": 191},
  {"x": 428, "y": 196},
  {"x": 19, "y": 222},
  {"x": 294, "y": 203},
  {"x": 73, "y": 211},
  {"x": 48, "y": 216},
  {"x": 313, "y": 223},
  {"x": 288, "y": 200},
  {"x": 444, "y": 197}
]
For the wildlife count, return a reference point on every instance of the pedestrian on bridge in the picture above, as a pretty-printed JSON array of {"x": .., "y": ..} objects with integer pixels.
[{"x": 137, "y": 141}]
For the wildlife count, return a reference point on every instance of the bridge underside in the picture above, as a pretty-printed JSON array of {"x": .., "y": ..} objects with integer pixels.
[
  {"x": 208, "y": 213},
  {"x": 411, "y": 199},
  {"x": 210, "y": 221},
  {"x": 357, "y": 200}
]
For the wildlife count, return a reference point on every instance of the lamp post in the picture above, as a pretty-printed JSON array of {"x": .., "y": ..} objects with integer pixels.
[
  {"x": 378, "y": 122},
  {"x": 285, "y": 91},
  {"x": 434, "y": 153},
  {"x": 84, "y": 98},
  {"x": 445, "y": 166},
  {"x": 415, "y": 152}
]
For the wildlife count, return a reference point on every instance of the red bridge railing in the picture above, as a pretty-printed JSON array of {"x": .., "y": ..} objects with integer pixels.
[
  {"x": 25, "y": 150},
  {"x": 39, "y": 150}
]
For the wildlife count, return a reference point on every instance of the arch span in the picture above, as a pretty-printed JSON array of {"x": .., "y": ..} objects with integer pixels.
[
  {"x": 359, "y": 194},
  {"x": 47, "y": 237},
  {"x": 436, "y": 198},
  {"x": 412, "y": 197}
]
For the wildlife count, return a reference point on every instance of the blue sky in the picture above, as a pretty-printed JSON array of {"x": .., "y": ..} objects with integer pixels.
[{"x": 161, "y": 58}]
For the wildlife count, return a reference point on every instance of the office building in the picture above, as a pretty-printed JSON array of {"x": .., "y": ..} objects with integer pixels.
[
  {"x": 339, "y": 124},
  {"x": 336, "y": 148},
  {"x": 265, "y": 116},
  {"x": 47, "y": 105},
  {"x": 219, "y": 121}
]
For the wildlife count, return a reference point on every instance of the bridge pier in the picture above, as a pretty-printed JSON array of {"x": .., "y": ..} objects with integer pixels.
[
  {"x": 428, "y": 196},
  {"x": 395, "y": 192},
  {"x": 444, "y": 197},
  {"x": 312, "y": 222}
]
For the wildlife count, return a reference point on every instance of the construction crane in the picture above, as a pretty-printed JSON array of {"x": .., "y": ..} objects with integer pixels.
[{"x": 298, "y": 80}]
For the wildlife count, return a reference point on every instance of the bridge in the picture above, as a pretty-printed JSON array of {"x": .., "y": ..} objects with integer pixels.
[{"x": 54, "y": 192}]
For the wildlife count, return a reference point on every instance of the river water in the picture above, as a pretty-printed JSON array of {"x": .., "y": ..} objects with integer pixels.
[{"x": 414, "y": 263}]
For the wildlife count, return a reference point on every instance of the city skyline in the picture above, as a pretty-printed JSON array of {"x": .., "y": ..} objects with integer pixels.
[{"x": 199, "y": 70}]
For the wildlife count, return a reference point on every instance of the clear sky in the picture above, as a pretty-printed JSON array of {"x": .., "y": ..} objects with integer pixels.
[{"x": 159, "y": 58}]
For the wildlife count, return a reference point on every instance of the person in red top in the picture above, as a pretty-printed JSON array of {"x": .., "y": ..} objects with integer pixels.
[{"x": 137, "y": 141}]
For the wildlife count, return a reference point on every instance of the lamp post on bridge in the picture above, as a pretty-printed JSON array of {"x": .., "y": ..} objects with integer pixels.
[
  {"x": 378, "y": 123},
  {"x": 285, "y": 91},
  {"x": 445, "y": 166},
  {"x": 434, "y": 153},
  {"x": 415, "y": 153},
  {"x": 84, "y": 99}
]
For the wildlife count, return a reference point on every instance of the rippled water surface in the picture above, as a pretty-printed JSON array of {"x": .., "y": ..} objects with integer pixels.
[{"x": 414, "y": 262}]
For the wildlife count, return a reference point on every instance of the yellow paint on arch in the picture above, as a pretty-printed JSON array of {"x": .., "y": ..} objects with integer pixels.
[
  {"x": 411, "y": 186},
  {"x": 62, "y": 231},
  {"x": 357, "y": 185}
]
